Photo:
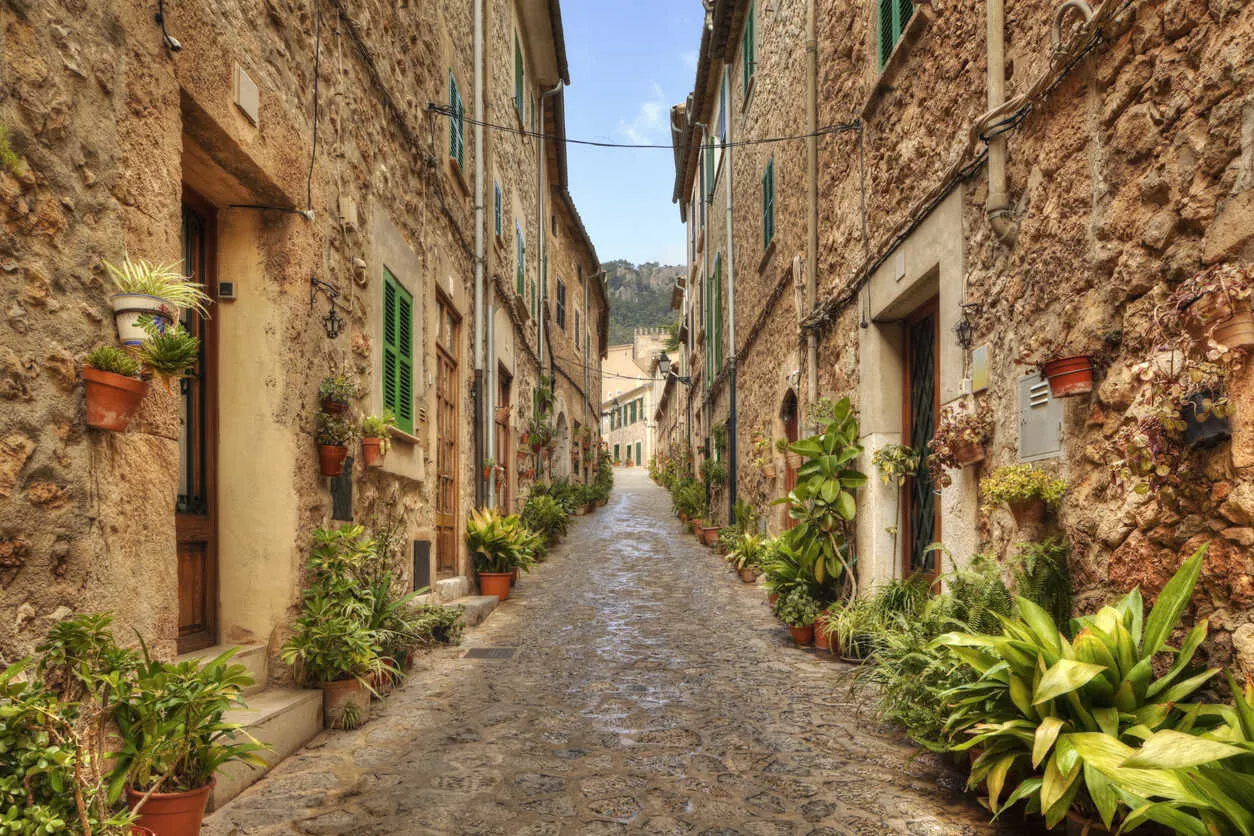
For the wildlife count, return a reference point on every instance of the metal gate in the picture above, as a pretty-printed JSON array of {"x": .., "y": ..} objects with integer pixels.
[{"x": 922, "y": 518}]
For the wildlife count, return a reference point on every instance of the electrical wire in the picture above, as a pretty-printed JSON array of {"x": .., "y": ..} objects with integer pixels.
[{"x": 445, "y": 110}]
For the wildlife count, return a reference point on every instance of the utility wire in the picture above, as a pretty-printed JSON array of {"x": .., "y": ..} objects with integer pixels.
[{"x": 445, "y": 110}]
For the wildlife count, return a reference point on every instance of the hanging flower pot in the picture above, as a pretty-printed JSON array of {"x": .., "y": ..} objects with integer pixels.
[
  {"x": 171, "y": 813},
  {"x": 768, "y": 470},
  {"x": 370, "y": 451},
  {"x": 331, "y": 459},
  {"x": 793, "y": 460},
  {"x": 802, "y": 636},
  {"x": 333, "y": 406},
  {"x": 1069, "y": 376},
  {"x": 1237, "y": 331},
  {"x": 1202, "y": 427},
  {"x": 502, "y": 413},
  {"x": 968, "y": 453},
  {"x": 111, "y": 398},
  {"x": 1028, "y": 512},
  {"x": 130, "y": 308}
]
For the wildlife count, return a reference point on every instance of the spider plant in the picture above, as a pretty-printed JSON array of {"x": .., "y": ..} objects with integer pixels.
[{"x": 164, "y": 281}]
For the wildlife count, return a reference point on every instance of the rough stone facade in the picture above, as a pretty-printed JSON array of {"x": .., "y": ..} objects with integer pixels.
[
  {"x": 112, "y": 127},
  {"x": 1131, "y": 174}
]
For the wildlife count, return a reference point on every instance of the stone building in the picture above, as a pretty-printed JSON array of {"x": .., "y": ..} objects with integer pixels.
[
  {"x": 986, "y": 183},
  {"x": 629, "y": 397},
  {"x": 289, "y": 155}
]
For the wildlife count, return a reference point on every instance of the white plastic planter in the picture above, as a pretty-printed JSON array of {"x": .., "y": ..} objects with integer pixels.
[{"x": 129, "y": 307}]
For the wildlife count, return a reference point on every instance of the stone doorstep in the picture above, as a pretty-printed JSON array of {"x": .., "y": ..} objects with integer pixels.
[
  {"x": 251, "y": 656},
  {"x": 285, "y": 719},
  {"x": 476, "y": 608},
  {"x": 450, "y": 589}
]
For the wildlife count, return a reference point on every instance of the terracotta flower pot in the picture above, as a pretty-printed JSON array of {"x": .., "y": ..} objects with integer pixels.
[
  {"x": 334, "y": 407},
  {"x": 768, "y": 470},
  {"x": 590, "y": 507},
  {"x": 370, "y": 451},
  {"x": 803, "y": 636},
  {"x": 709, "y": 535},
  {"x": 968, "y": 453},
  {"x": 748, "y": 575},
  {"x": 771, "y": 598},
  {"x": 495, "y": 583},
  {"x": 793, "y": 460},
  {"x": 171, "y": 813},
  {"x": 1236, "y": 332},
  {"x": 502, "y": 414},
  {"x": 1028, "y": 512},
  {"x": 822, "y": 638},
  {"x": 338, "y": 695},
  {"x": 1069, "y": 376},
  {"x": 111, "y": 398},
  {"x": 331, "y": 459}
]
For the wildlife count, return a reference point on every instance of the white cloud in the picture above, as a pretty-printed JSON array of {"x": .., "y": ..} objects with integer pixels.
[{"x": 643, "y": 130}]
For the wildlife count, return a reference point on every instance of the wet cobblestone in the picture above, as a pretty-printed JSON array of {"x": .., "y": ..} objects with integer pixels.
[{"x": 651, "y": 692}]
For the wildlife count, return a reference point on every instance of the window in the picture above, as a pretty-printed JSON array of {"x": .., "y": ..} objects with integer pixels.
[
  {"x": 578, "y": 333},
  {"x": 561, "y": 304},
  {"x": 894, "y": 15},
  {"x": 707, "y": 182},
  {"x": 749, "y": 47},
  {"x": 456, "y": 124},
  {"x": 520, "y": 258},
  {"x": 535, "y": 299},
  {"x": 518, "y": 78},
  {"x": 714, "y": 320},
  {"x": 638, "y": 459},
  {"x": 722, "y": 121},
  {"x": 768, "y": 203},
  {"x": 497, "y": 209},
  {"x": 398, "y": 352},
  {"x": 617, "y": 452},
  {"x": 633, "y": 411}
]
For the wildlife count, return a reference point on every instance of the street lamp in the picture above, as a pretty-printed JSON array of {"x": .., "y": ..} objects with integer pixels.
[{"x": 664, "y": 366}]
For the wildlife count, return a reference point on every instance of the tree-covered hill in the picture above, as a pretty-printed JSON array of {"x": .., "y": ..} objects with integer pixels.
[{"x": 640, "y": 297}]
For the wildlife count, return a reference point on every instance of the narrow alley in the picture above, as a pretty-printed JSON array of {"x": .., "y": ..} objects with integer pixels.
[{"x": 649, "y": 692}]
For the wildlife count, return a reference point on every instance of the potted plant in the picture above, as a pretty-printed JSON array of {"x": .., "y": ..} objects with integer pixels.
[
  {"x": 502, "y": 413},
  {"x": 170, "y": 353},
  {"x": 376, "y": 437},
  {"x": 498, "y": 545},
  {"x": 337, "y": 391},
  {"x": 851, "y": 627},
  {"x": 792, "y": 459},
  {"x": 334, "y": 433},
  {"x": 150, "y": 292},
  {"x": 111, "y": 381},
  {"x": 714, "y": 473},
  {"x": 745, "y": 555},
  {"x": 489, "y": 465},
  {"x": 798, "y": 609},
  {"x": 762, "y": 454},
  {"x": 958, "y": 441},
  {"x": 895, "y": 462},
  {"x": 1029, "y": 492},
  {"x": 174, "y": 739},
  {"x": 1214, "y": 306}
]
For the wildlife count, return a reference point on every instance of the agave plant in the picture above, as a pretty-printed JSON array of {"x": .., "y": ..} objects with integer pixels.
[{"x": 1085, "y": 721}]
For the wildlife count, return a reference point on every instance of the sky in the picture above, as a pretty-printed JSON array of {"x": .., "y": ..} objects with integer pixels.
[{"x": 630, "y": 62}]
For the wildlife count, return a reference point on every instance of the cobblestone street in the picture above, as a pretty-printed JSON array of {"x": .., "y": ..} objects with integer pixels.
[{"x": 651, "y": 692}]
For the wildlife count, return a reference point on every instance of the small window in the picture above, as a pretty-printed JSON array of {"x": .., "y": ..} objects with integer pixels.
[
  {"x": 456, "y": 124},
  {"x": 398, "y": 352},
  {"x": 561, "y": 304},
  {"x": 498, "y": 208},
  {"x": 578, "y": 334},
  {"x": 893, "y": 17},
  {"x": 520, "y": 258},
  {"x": 749, "y": 47},
  {"x": 768, "y": 203},
  {"x": 518, "y": 78}
]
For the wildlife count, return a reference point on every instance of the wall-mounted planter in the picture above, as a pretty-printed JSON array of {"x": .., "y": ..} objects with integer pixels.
[
  {"x": 502, "y": 413},
  {"x": 331, "y": 459},
  {"x": 1069, "y": 376},
  {"x": 1236, "y": 332},
  {"x": 111, "y": 398},
  {"x": 768, "y": 470},
  {"x": 333, "y": 406},
  {"x": 128, "y": 308},
  {"x": 968, "y": 453},
  {"x": 370, "y": 451},
  {"x": 1028, "y": 512},
  {"x": 1203, "y": 432},
  {"x": 793, "y": 460}
]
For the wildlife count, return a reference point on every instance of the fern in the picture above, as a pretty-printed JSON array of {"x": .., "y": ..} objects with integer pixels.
[{"x": 1041, "y": 574}]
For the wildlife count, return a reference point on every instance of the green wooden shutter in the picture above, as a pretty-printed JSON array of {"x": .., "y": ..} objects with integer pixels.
[
  {"x": 518, "y": 77},
  {"x": 456, "y": 124},
  {"x": 768, "y": 203},
  {"x": 498, "y": 219},
  {"x": 717, "y": 349},
  {"x": 709, "y": 171},
  {"x": 390, "y": 358},
  {"x": 398, "y": 352},
  {"x": 520, "y": 258},
  {"x": 749, "y": 47},
  {"x": 893, "y": 17}
]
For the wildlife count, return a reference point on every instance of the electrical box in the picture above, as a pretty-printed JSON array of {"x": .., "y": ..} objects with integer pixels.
[
  {"x": 1040, "y": 420},
  {"x": 226, "y": 292}
]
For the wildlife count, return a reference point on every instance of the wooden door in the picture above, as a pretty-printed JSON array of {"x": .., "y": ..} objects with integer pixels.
[
  {"x": 447, "y": 432},
  {"x": 503, "y": 453},
  {"x": 792, "y": 433},
  {"x": 196, "y": 521},
  {"x": 921, "y": 399}
]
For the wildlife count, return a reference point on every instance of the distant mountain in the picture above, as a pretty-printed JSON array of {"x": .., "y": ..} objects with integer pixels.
[{"x": 640, "y": 297}]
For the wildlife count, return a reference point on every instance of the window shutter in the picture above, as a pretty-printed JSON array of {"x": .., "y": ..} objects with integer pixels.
[
  {"x": 518, "y": 77},
  {"x": 390, "y": 359},
  {"x": 456, "y": 124},
  {"x": 887, "y": 36},
  {"x": 498, "y": 209},
  {"x": 520, "y": 258}
]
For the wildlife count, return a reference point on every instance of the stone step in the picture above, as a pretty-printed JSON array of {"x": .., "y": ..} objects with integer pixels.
[
  {"x": 450, "y": 589},
  {"x": 251, "y": 656},
  {"x": 285, "y": 719},
  {"x": 476, "y": 608}
]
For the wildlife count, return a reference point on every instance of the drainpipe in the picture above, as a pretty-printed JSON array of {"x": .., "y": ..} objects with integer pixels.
[
  {"x": 812, "y": 194},
  {"x": 997, "y": 206},
  {"x": 489, "y": 406},
  {"x": 479, "y": 244},
  {"x": 544, "y": 233},
  {"x": 731, "y": 314}
]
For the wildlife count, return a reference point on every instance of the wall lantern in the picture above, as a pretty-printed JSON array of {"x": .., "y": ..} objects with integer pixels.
[
  {"x": 332, "y": 323},
  {"x": 964, "y": 328},
  {"x": 664, "y": 366}
]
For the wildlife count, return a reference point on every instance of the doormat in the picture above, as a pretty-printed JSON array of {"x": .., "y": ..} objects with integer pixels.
[{"x": 490, "y": 653}]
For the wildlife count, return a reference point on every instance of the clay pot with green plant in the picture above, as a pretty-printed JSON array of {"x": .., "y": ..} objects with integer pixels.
[
  {"x": 169, "y": 354},
  {"x": 798, "y": 609},
  {"x": 113, "y": 387},
  {"x": 376, "y": 437},
  {"x": 1030, "y": 493},
  {"x": 1213, "y": 306},
  {"x": 498, "y": 545},
  {"x": 151, "y": 292},
  {"x": 333, "y": 436},
  {"x": 337, "y": 391},
  {"x": 957, "y": 442}
]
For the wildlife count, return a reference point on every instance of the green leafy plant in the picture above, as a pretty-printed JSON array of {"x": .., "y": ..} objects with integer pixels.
[
  {"x": 546, "y": 516},
  {"x": 718, "y": 437},
  {"x": 714, "y": 473},
  {"x": 444, "y": 624},
  {"x": 895, "y": 462},
  {"x": 170, "y": 721},
  {"x": 688, "y": 498},
  {"x": 335, "y": 429},
  {"x": 110, "y": 358},
  {"x": 165, "y": 281},
  {"x": 500, "y": 543},
  {"x": 822, "y": 503},
  {"x": 786, "y": 568},
  {"x": 1040, "y": 573},
  {"x": 959, "y": 430},
  {"x": 341, "y": 387},
  {"x": 748, "y": 551},
  {"x": 10, "y": 160},
  {"x": 380, "y": 427},
  {"x": 169, "y": 353},
  {"x": 797, "y": 608},
  {"x": 1021, "y": 483}
]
